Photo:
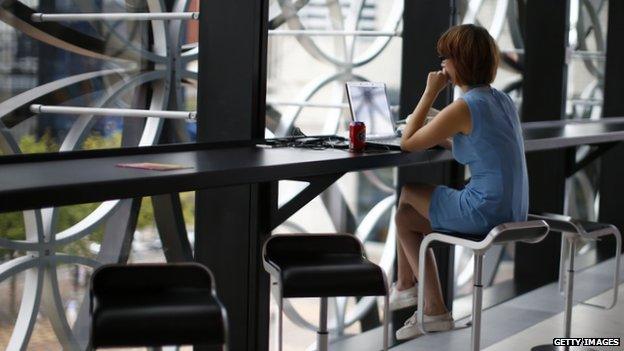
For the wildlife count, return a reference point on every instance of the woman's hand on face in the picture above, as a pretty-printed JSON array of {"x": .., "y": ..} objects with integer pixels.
[{"x": 436, "y": 82}]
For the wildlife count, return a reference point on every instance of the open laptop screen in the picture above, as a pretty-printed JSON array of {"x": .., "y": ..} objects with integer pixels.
[{"x": 369, "y": 104}]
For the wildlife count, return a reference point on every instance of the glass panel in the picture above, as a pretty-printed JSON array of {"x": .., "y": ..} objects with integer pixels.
[
  {"x": 587, "y": 40},
  {"x": 306, "y": 93},
  {"x": 127, "y": 64},
  {"x": 94, "y": 63},
  {"x": 587, "y": 47},
  {"x": 502, "y": 20}
]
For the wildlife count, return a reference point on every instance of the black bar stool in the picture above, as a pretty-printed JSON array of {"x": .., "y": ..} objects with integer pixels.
[
  {"x": 322, "y": 265},
  {"x": 530, "y": 232},
  {"x": 154, "y": 305},
  {"x": 572, "y": 230}
]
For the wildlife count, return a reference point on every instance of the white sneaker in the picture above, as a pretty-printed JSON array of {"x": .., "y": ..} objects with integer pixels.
[
  {"x": 403, "y": 298},
  {"x": 410, "y": 330}
]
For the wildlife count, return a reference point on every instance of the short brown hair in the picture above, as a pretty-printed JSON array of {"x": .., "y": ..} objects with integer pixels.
[{"x": 473, "y": 51}]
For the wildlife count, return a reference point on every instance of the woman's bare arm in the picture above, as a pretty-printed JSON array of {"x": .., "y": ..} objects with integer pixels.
[
  {"x": 453, "y": 119},
  {"x": 430, "y": 115},
  {"x": 432, "y": 112},
  {"x": 417, "y": 118},
  {"x": 447, "y": 143}
]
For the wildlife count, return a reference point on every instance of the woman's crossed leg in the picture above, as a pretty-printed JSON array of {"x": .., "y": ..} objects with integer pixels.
[{"x": 412, "y": 220}]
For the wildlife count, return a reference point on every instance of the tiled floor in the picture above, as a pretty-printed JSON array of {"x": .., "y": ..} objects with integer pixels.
[
  {"x": 586, "y": 322},
  {"x": 536, "y": 317}
]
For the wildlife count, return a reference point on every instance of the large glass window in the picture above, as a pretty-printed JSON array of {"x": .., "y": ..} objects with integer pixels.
[
  {"x": 502, "y": 20},
  {"x": 46, "y": 256},
  {"x": 314, "y": 48},
  {"x": 313, "y": 51},
  {"x": 585, "y": 83},
  {"x": 587, "y": 54}
]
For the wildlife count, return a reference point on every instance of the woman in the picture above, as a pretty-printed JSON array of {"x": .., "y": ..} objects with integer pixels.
[{"x": 487, "y": 137}]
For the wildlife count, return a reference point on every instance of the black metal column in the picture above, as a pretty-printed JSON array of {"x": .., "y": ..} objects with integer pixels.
[
  {"x": 544, "y": 93},
  {"x": 612, "y": 169},
  {"x": 229, "y": 231},
  {"x": 423, "y": 23}
]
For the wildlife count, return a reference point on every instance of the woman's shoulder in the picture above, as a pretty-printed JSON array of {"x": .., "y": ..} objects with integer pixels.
[
  {"x": 502, "y": 95},
  {"x": 477, "y": 98},
  {"x": 478, "y": 93},
  {"x": 487, "y": 95}
]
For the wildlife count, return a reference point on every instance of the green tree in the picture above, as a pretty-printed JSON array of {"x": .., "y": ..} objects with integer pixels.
[{"x": 12, "y": 224}]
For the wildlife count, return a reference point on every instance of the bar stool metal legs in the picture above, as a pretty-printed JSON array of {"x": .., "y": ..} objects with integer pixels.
[
  {"x": 322, "y": 338},
  {"x": 322, "y": 265},
  {"x": 529, "y": 232},
  {"x": 589, "y": 231},
  {"x": 386, "y": 324},
  {"x": 477, "y": 301},
  {"x": 568, "y": 298},
  {"x": 280, "y": 313},
  {"x": 572, "y": 231},
  {"x": 565, "y": 254},
  {"x": 612, "y": 230}
]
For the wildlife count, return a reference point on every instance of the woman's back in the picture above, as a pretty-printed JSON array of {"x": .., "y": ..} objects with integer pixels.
[{"x": 494, "y": 153}]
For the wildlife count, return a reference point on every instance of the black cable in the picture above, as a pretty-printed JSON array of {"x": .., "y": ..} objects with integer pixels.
[{"x": 309, "y": 142}]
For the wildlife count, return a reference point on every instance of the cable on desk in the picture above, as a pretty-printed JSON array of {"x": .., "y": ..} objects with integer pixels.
[{"x": 309, "y": 142}]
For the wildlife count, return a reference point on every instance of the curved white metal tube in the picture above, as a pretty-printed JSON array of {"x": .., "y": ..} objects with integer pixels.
[
  {"x": 82, "y": 125},
  {"x": 52, "y": 305},
  {"x": 17, "y": 265},
  {"x": 124, "y": 112},
  {"x": 87, "y": 224},
  {"x": 289, "y": 11},
  {"x": 333, "y": 33},
  {"x": 29, "y": 309},
  {"x": 113, "y": 16},
  {"x": 499, "y": 18}
]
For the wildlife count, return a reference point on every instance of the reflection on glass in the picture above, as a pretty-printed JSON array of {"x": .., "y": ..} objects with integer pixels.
[{"x": 100, "y": 64}]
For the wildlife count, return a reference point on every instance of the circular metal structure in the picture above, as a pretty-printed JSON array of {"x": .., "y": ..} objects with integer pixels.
[
  {"x": 152, "y": 72},
  {"x": 150, "y": 61},
  {"x": 502, "y": 18}
]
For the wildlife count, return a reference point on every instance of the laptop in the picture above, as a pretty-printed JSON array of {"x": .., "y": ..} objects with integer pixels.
[{"x": 368, "y": 103}]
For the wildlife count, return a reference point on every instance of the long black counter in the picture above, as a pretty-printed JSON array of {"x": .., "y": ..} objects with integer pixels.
[
  {"x": 46, "y": 180},
  {"x": 89, "y": 176}
]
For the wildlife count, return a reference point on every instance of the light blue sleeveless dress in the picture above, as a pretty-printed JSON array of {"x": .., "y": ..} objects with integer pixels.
[{"x": 494, "y": 152}]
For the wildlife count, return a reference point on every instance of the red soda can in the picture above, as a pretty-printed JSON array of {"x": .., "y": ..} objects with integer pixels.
[{"x": 357, "y": 136}]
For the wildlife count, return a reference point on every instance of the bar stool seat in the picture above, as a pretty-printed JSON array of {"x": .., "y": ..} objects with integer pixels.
[
  {"x": 155, "y": 305},
  {"x": 529, "y": 232},
  {"x": 563, "y": 223},
  {"x": 572, "y": 231},
  {"x": 322, "y": 265},
  {"x": 331, "y": 275},
  {"x": 593, "y": 226}
]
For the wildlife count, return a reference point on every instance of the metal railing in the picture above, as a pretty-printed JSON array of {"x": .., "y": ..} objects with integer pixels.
[
  {"x": 588, "y": 102},
  {"x": 334, "y": 33},
  {"x": 73, "y": 110},
  {"x": 582, "y": 54},
  {"x": 71, "y": 17},
  {"x": 306, "y": 104}
]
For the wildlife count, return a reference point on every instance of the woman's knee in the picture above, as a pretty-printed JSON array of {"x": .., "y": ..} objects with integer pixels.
[
  {"x": 403, "y": 216},
  {"x": 408, "y": 220},
  {"x": 417, "y": 196},
  {"x": 407, "y": 192}
]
